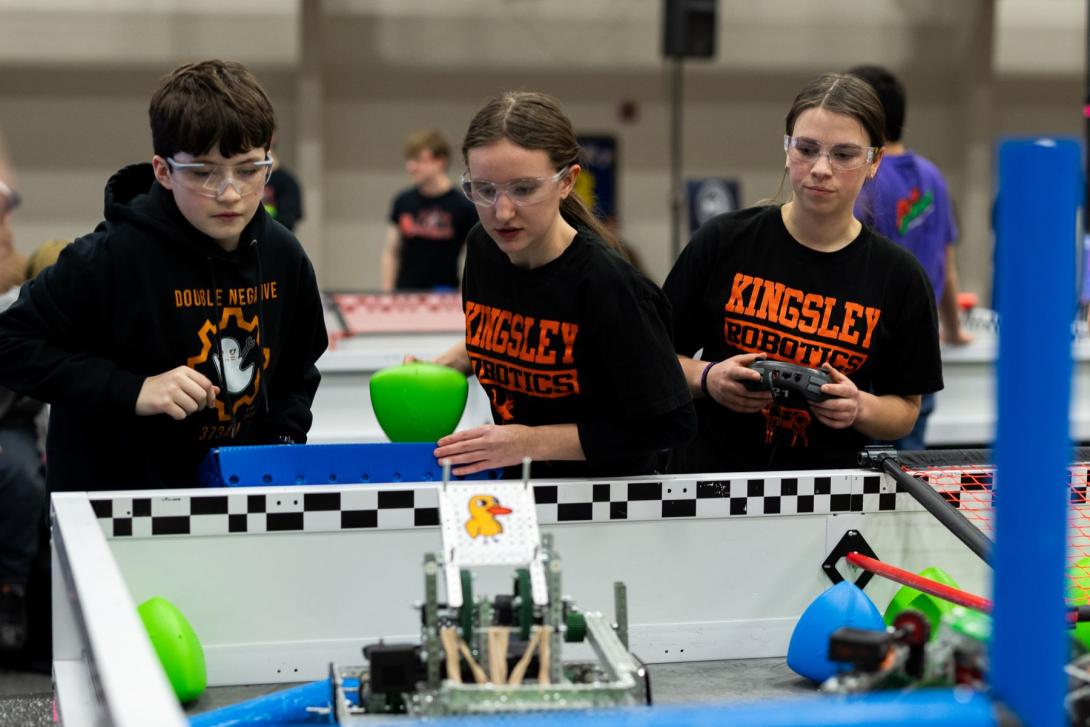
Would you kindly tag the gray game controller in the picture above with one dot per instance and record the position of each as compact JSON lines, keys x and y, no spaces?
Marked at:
{"x":781,"y":378}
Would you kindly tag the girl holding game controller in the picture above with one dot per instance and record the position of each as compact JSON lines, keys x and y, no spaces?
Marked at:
{"x":806,"y":283}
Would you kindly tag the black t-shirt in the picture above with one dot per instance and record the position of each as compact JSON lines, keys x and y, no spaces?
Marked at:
{"x":744,"y":285}
{"x":582,"y":338}
{"x":433,"y":230}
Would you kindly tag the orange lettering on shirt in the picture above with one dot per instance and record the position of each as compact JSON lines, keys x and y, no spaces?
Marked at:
{"x":735,"y":304}
{"x":545,"y":328}
{"x":810,"y":316}
{"x":568,"y":331}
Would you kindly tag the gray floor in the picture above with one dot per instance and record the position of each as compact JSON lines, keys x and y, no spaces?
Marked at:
{"x":26,"y":699}
{"x":713,"y":681}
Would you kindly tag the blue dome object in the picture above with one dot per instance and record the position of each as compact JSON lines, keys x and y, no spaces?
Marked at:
{"x":842,"y":605}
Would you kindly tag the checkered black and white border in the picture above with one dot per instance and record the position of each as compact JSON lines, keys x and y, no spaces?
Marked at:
{"x":399,"y":507}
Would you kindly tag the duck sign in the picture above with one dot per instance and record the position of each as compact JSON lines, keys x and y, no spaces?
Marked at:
{"x":493,"y":523}
{"x":483,"y":511}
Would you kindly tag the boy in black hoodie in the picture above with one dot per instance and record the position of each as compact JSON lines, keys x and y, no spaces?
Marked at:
{"x":188,"y":319}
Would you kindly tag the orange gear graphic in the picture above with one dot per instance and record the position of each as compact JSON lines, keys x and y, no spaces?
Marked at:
{"x":206,"y":335}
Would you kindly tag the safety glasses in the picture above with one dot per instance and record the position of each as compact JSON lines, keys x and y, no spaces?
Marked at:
{"x":521,"y":192}
{"x":212,"y":180}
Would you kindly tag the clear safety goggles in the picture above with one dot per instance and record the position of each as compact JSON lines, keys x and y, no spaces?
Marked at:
{"x":521,"y":192}
{"x":212,"y":180}
{"x":842,"y":157}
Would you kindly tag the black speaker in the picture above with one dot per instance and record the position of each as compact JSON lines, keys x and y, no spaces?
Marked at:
{"x":688,"y":28}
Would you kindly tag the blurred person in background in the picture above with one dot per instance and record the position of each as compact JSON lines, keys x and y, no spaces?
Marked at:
{"x":908,"y":202}
{"x":22,"y":478}
{"x":282,"y":196}
{"x":429,"y":221}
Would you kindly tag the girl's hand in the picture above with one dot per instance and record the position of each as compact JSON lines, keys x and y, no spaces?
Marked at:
{"x":724,"y":383}
{"x":482,"y":448}
{"x":842,"y":408}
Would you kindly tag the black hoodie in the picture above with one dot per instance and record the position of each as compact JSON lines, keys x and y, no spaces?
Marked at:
{"x":147,"y":292}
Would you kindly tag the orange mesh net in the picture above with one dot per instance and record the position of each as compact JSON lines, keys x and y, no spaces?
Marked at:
{"x":969,"y":489}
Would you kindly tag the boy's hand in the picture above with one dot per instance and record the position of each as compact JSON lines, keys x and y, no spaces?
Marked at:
{"x":176,"y":393}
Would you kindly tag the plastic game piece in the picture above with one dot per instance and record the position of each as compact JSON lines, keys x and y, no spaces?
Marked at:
{"x":967,"y":301}
{"x":321,"y":464}
{"x":1078,"y":594}
{"x":287,"y":706}
{"x":969,"y":624}
{"x":842,"y":605}
{"x":781,"y":378}
{"x":931,"y":606}
{"x":176,"y":643}
{"x":418,"y":401}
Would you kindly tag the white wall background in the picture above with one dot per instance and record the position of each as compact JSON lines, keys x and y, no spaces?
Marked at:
{"x":75,"y":78}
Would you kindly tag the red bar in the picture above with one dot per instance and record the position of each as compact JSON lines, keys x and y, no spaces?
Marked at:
{"x":926,"y":585}
{"x":920,"y":583}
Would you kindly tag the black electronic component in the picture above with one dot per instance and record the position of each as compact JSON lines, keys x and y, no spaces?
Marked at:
{"x":864,"y":649}
{"x":394,"y":668}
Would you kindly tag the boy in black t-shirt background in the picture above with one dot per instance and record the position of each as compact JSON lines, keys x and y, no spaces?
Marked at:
{"x":428,"y":221}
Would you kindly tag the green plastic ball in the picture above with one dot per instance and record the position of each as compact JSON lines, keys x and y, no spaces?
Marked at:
{"x":176,"y":643}
{"x":418,"y":401}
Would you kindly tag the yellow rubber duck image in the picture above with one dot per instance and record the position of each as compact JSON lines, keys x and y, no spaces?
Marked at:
{"x":483,"y":510}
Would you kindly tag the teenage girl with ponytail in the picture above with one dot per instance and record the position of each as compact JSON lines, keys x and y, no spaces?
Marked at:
{"x":570,"y":342}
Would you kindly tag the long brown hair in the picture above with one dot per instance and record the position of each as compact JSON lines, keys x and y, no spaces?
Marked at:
{"x":535,"y":121}
{"x":841,"y":93}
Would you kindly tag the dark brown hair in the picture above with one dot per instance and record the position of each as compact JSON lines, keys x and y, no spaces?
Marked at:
{"x":846,"y":94}
{"x":843,"y":94}
{"x":891,"y":92}
{"x":211,"y":103}
{"x":535,"y":121}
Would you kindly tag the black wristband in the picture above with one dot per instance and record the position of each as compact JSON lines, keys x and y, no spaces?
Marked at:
{"x":704,"y":378}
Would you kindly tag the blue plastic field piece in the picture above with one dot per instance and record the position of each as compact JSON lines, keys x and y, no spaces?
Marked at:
{"x":324,"y":464}
{"x":285,"y":707}
{"x":842,"y":605}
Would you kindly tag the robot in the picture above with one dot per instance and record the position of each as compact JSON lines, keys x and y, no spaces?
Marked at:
{"x":480,"y":655}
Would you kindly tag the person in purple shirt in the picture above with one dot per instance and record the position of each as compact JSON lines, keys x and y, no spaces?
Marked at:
{"x":908,"y":202}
